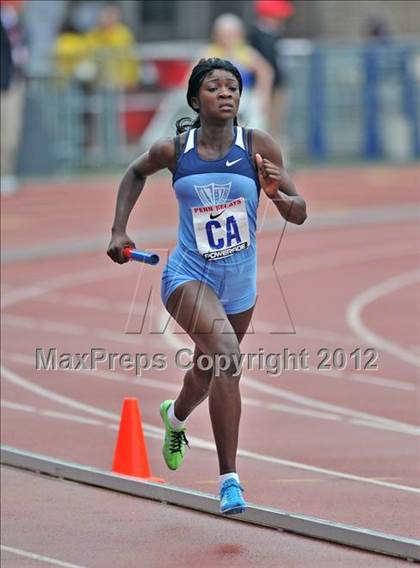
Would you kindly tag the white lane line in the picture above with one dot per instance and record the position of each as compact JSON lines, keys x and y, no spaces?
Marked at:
{"x":44,"y":325}
{"x":32,"y":323}
{"x":21,"y":294}
{"x":198,"y":442}
{"x":70,"y":329}
{"x":398,"y":426}
{"x":175,"y":342}
{"x":73,"y":329}
{"x":247,"y":401}
{"x":59,"y":327}
{"x":370,"y":378}
{"x":76,"y":330}
{"x":90,"y":302}
{"x":373,"y":379}
{"x":17,"y":406}
{"x":345,"y":256}
{"x":51,"y":413}
{"x":359,"y":303}
{"x":19,"y":321}
{"x":30,"y":362}
{"x":120,"y":336}
{"x":210,"y":446}
{"x":63,"y":281}
{"x":166,"y":385}
{"x":369,"y":424}
{"x":319,"y":334}
{"x":51,"y":395}
{"x":348,"y":219}
{"x":337,"y":219}
{"x":39,"y":557}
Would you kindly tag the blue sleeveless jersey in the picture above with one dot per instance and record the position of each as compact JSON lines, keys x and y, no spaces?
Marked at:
{"x":218,"y":202}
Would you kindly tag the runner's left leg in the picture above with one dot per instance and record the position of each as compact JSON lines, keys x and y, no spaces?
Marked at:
{"x":196,"y":380}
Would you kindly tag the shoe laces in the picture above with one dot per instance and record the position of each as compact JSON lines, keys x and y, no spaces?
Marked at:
{"x":178,"y":439}
{"x":230,"y":488}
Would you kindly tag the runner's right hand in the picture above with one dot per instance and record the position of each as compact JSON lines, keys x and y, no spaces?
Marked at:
{"x":115,"y":248}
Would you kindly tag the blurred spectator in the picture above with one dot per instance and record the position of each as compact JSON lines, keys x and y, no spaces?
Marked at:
{"x":13,"y":58}
{"x":112,"y":44}
{"x":264,"y":36}
{"x":72,"y":54}
{"x":378,"y":30}
{"x":6,"y":68}
{"x":229,"y":42}
{"x":75,"y":64}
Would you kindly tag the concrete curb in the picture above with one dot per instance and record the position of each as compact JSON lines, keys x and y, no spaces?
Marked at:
{"x":365,"y":539}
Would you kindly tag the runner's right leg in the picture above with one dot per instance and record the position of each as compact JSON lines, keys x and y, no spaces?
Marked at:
{"x":197,"y":309}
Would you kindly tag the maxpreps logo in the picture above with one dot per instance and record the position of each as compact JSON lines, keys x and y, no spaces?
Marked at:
{"x":213,"y":193}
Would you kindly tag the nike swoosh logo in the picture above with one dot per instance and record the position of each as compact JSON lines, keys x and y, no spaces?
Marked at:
{"x":228,"y":164}
{"x":215,"y":215}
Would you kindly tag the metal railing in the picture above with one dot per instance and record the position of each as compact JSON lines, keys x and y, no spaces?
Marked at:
{"x":344,"y":102}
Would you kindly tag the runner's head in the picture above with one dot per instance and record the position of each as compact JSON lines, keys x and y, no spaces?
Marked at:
{"x":214,"y":86}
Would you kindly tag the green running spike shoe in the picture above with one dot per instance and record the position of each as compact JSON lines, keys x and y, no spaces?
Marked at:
{"x":173,"y":448}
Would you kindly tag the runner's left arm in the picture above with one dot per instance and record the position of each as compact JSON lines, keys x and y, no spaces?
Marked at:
{"x":274,"y":179}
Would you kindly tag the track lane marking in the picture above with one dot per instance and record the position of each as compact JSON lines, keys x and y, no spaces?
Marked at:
{"x":343,"y":257}
{"x":63,"y":281}
{"x":50,"y":413}
{"x":363,"y":420}
{"x":74,"y":329}
{"x":39,"y":557}
{"x":360,"y":301}
{"x":114,"y":427}
{"x":198,"y":442}
{"x":166,"y":385}
{"x":172,"y":339}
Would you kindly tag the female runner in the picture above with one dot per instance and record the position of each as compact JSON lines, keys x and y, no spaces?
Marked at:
{"x":209,"y":281}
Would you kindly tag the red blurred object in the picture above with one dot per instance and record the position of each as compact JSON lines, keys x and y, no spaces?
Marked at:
{"x":135,"y":123}
{"x":16,"y":4}
{"x":171,"y":72}
{"x":280,"y":9}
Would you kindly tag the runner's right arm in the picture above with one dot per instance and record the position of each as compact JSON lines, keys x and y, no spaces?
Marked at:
{"x":160,"y":156}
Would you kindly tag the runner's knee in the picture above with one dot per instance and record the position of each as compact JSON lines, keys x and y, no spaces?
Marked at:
{"x":227,"y":358}
{"x":202,"y":375}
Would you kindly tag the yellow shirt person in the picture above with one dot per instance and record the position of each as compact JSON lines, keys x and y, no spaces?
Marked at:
{"x":71,"y":49}
{"x":113,"y":49}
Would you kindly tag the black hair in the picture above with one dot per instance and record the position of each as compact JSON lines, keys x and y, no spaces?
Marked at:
{"x":203,"y":67}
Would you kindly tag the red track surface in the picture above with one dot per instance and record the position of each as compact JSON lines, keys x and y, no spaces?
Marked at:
{"x":362,"y":450}
{"x":121,"y":531}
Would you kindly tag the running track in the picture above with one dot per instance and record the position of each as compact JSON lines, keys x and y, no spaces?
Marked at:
{"x":338,"y":444}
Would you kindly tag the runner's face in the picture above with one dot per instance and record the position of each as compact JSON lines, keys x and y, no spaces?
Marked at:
{"x":218,"y":96}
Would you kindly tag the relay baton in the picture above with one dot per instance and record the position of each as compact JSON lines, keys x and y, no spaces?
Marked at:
{"x":141,"y":256}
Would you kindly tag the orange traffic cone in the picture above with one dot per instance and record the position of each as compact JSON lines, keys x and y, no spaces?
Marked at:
{"x":130,"y":456}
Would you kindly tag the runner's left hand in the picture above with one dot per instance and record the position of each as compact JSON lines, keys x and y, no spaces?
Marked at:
{"x":270,"y":176}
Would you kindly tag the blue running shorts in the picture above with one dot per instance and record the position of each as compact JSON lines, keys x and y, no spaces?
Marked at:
{"x":232,"y":280}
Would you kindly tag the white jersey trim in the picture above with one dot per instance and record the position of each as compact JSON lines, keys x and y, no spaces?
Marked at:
{"x":240,"y":137}
{"x":190,"y":141}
